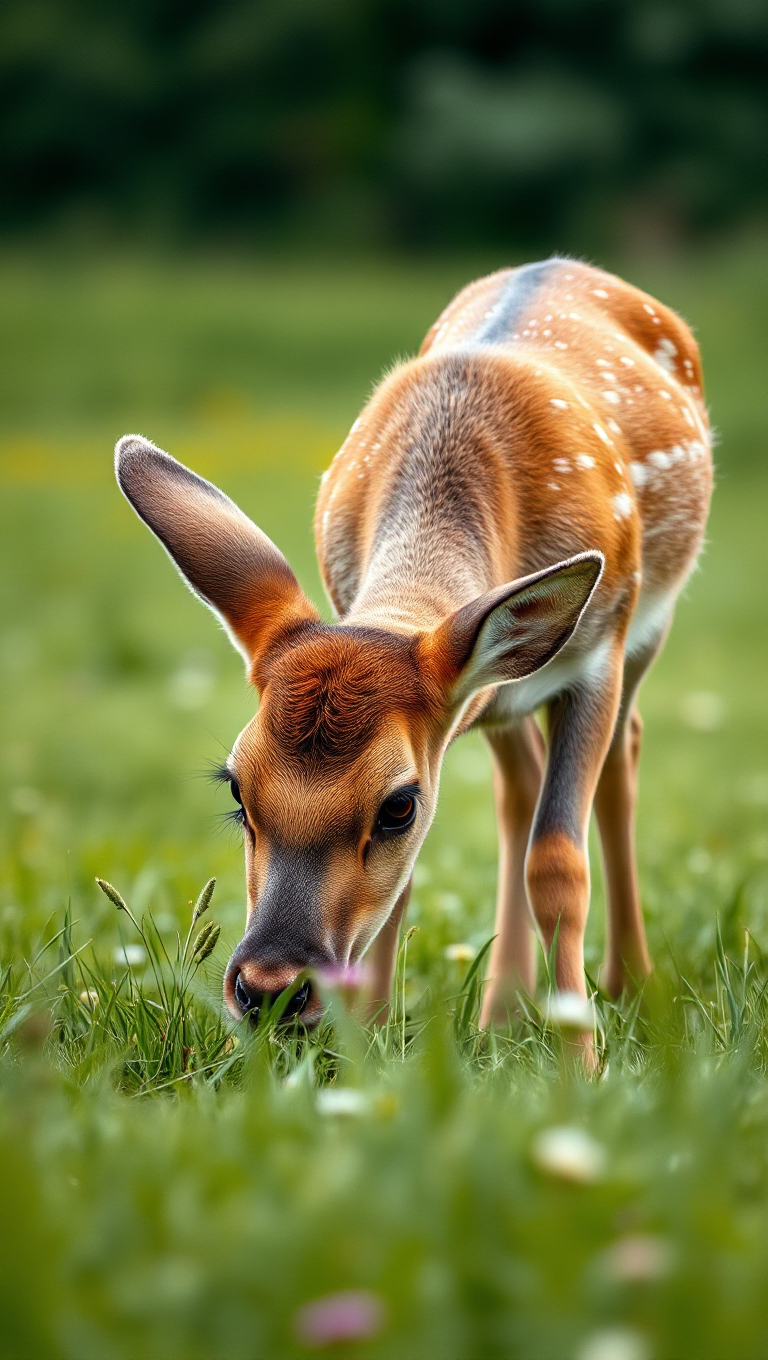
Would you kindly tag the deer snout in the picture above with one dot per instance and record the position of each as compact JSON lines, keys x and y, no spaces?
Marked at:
{"x":249,"y":987}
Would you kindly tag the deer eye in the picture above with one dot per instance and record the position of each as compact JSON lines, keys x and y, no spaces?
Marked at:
{"x":397,"y":812}
{"x":237,"y":814}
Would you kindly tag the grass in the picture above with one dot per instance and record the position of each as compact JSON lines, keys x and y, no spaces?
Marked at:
{"x":175,"y":1185}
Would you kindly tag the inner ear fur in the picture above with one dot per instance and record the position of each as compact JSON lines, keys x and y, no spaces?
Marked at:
{"x":513,"y":630}
{"x":228,"y":562}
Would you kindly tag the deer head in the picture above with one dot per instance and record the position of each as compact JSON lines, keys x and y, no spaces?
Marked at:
{"x":336,"y":777}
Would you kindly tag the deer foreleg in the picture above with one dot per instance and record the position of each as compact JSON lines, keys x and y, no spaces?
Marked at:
{"x":581,"y":724}
{"x":518,"y":767}
{"x":627,"y":962}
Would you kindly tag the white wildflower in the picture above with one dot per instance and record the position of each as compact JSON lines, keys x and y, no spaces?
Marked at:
{"x":569,"y":1154}
{"x":343,"y":1100}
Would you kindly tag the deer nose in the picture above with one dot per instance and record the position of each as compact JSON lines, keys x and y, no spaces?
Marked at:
{"x":251,"y":996}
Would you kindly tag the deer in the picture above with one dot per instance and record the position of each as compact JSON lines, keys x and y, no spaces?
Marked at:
{"x":503,"y":536}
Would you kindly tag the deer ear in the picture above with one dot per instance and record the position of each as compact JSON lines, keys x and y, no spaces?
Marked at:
{"x":234,"y":568}
{"x":513,"y":630}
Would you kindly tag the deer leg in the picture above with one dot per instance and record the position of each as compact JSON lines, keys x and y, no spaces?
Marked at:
{"x":627,"y":960}
{"x":518,"y":766}
{"x":581,"y":724}
{"x":381,"y":958}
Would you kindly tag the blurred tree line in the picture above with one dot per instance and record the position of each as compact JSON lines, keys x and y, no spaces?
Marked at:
{"x":440,"y":122}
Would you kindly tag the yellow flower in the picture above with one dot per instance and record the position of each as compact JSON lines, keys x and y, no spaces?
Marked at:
{"x":460,"y":953}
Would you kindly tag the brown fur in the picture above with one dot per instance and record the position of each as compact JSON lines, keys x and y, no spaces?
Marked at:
{"x":330,"y":689}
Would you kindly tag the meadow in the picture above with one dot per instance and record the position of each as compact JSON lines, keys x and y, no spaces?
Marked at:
{"x":174,"y":1185}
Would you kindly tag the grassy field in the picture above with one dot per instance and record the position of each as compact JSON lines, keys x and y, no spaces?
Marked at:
{"x":171,"y":1186}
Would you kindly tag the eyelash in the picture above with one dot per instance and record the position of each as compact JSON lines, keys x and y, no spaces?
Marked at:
{"x":236,"y":815}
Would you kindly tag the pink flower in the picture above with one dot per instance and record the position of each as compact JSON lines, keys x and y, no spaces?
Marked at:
{"x":345,"y":981}
{"x":354,"y":1315}
{"x":343,"y":977}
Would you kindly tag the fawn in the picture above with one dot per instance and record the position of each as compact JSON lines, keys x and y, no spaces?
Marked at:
{"x":504,"y":530}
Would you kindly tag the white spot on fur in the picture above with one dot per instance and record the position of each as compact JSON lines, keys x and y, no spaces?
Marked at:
{"x":553,"y":485}
{"x":666,"y":396}
{"x":626,"y":361}
{"x":561,"y":465}
{"x":665,"y":353}
{"x":325,"y":477}
{"x":598,"y":429}
{"x":546,"y":332}
{"x":659,"y":459}
{"x":687,"y":416}
{"x":647,"y":308}
{"x":355,"y":426}
{"x":585,"y":460}
{"x":622,"y":505}
{"x":603,"y":363}
{"x":599,"y":292}
{"x":560,"y":344}
{"x":613,"y":425}
{"x":612,"y":397}
{"x":559,"y":403}
{"x":639,"y":473}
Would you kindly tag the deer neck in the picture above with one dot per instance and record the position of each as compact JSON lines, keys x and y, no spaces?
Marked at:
{"x":443,"y":527}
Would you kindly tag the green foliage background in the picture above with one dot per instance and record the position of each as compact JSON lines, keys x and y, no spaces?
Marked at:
{"x":578,"y":123}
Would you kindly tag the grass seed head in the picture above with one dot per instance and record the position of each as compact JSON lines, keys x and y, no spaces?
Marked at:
{"x":204,"y":900}
{"x":206,"y":941}
{"x":112,"y":894}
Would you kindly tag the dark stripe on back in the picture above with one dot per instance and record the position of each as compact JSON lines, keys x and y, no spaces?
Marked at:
{"x":515,"y":298}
